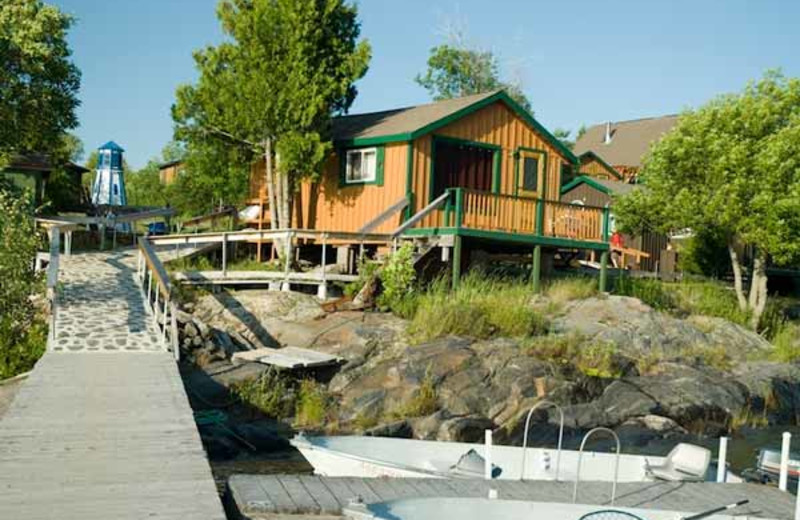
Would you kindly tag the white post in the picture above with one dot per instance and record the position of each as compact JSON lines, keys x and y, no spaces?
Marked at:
{"x":322,"y":290}
{"x":488,"y":455}
{"x":721,"y":459}
{"x":224,"y":254}
{"x":784,"y":474}
{"x":286,"y":287}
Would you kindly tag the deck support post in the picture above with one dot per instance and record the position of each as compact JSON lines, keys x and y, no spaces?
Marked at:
{"x":286,"y":286}
{"x":536,"y":273}
{"x":224,"y":254}
{"x":604,"y":271}
{"x":456,"y":260}
{"x":102,"y":228}
{"x":322,"y":289}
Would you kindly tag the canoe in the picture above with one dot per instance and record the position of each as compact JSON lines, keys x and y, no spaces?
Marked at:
{"x":372,"y":457}
{"x":489,"y":509}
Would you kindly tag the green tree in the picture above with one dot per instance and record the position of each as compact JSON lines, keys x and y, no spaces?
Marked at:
{"x":562,"y":134}
{"x":38,"y":82}
{"x":285,"y":68}
{"x":732,"y":166}
{"x":455,"y":71}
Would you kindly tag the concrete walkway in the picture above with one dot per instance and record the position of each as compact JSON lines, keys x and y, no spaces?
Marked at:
{"x":103,"y":428}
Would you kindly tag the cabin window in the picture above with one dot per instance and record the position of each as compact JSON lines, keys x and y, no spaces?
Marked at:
{"x":362,"y":165}
{"x":530,"y":173}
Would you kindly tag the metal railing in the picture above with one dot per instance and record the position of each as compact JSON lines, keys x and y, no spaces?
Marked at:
{"x":535,"y":407}
{"x":580,"y":459}
{"x":52,"y":280}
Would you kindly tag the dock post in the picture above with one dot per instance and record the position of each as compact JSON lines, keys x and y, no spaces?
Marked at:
{"x":536,"y":273}
{"x":784,"y":474}
{"x":456,"y":260}
{"x":604,"y":271}
{"x":322,"y":290}
{"x":286,"y":286}
{"x":488,"y":455}
{"x":722,"y":460}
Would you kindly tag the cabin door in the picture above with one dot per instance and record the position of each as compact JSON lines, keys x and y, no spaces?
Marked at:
{"x":459,"y":165}
{"x":530,"y":182}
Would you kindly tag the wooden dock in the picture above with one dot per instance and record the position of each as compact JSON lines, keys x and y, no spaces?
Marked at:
{"x":263,"y":497}
{"x":102,"y":428}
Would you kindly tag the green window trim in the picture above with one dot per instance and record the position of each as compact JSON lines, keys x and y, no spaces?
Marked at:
{"x":545,"y":163}
{"x":380,"y":160}
{"x":497,"y":160}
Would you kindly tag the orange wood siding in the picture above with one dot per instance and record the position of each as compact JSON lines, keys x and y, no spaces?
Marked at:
{"x":330,"y":207}
{"x":169,"y":174}
{"x":498,"y":125}
{"x":593,"y":168}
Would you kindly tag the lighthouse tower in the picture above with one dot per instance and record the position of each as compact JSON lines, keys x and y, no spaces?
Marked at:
{"x":109,"y":180}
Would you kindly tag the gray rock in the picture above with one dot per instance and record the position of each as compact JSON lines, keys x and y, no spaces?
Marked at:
{"x":190,"y":330}
{"x":399,"y":429}
{"x":465,"y":429}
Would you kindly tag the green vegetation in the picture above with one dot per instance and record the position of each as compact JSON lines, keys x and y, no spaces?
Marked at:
{"x":564,"y":290}
{"x":787,"y":344}
{"x":423,"y":402}
{"x":270,"y":89}
{"x":455,"y":71}
{"x":729,"y":168}
{"x":312,"y":404}
{"x":270,"y":394}
{"x":397,"y":280}
{"x":713,"y":356}
{"x":564,"y":351}
{"x":23,"y":329}
{"x":481,"y":307}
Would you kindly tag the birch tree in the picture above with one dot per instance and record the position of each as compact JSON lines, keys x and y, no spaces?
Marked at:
{"x":285,"y":68}
{"x":731,"y":166}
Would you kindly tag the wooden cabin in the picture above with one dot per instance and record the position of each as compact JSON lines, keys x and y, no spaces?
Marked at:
{"x":641,"y":252}
{"x":619,"y":147}
{"x":478,"y":169}
{"x":169,"y":171}
{"x":32,"y":172}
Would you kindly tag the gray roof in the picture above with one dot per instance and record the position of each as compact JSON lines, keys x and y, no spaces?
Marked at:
{"x":630,"y":140}
{"x":617,"y":187}
{"x":401,"y":120}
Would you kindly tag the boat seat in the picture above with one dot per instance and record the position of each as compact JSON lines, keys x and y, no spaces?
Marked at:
{"x":686,"y":462}
{"x":471,"y":464}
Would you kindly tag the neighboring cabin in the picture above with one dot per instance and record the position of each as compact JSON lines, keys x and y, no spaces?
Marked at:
{"x":33,"y":171}
{"x":616,"y":150}
{"x":169,"y":171}
{"x":586,"y":190}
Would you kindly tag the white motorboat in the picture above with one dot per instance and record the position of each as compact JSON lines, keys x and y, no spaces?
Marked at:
{"x":489,"y":509}
{"x":357,"y":456}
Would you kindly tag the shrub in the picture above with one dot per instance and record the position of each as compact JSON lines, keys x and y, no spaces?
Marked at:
{"x":651,"y":292}
{"x":312,"y":404}
{"x":398,"y":276}
{"x":787,"y":344}
{"x":597,"y":359}
{"x":269,"y":393}
{"x":480,"y":308}
{"x":367,"y":272}
{"x":709,"y":299}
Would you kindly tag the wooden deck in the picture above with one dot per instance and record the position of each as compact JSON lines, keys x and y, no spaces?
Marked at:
{"x":102,"y":427}
{"x":258,"y":497}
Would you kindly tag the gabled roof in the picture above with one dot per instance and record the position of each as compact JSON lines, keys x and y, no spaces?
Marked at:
{"x":169,"y":164}
{"x":606,"y":186}
{"x":111,"y":145}
{"x":406,"y":124}
{"x":593,"y":156}
{"x":630,"y":140}
{"x":40,"y":162}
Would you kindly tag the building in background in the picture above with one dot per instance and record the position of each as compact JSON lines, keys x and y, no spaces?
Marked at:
{"x":33,"y":172}
{"x":108,"y":188}
{"x":169,"y":171}
{"x":616,"y":150}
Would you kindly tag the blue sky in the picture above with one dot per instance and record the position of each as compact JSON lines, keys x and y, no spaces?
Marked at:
{"x":579,"y":61}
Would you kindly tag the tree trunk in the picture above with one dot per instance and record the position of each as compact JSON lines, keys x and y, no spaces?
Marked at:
{"x":758,"y":289}
{"x":738,"y":284}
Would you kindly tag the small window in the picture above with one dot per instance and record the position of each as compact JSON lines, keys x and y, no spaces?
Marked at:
{"x":116,"y":190}
{"x":530,"y":175}
{"x":362,"y":165}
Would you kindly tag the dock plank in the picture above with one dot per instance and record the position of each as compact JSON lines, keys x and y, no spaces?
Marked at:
{"x":765,"y":502}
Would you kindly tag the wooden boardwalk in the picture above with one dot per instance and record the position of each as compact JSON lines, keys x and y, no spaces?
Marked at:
{"x":104,"y":431}
{"x":258,"y":497}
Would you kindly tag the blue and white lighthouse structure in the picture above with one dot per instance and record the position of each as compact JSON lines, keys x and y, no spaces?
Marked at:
{"x":109,"y":180}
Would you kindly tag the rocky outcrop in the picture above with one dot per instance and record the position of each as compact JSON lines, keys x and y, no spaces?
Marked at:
{"x":384,"y":387}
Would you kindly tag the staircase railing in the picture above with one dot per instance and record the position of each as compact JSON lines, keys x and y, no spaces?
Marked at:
{"x":424,"y":212}
{"x":395,"y":208}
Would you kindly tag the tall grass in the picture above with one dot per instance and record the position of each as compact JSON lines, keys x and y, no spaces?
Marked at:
{"x":269,"y":393}
{"x":481,"y":307}
{"x":564,"y":290}
{"x":312,"y":404}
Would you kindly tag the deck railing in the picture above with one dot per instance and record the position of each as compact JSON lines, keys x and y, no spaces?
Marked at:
{"x":486,"y":211}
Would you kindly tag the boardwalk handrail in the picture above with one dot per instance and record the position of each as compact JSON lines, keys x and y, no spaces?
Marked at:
{"x":383,"y":217}
{"x":52,"y":277}
{"x":422,"y":214}
{"x":580,"y":459}
{"x":249,"y":235}
{"x":150,"y":271}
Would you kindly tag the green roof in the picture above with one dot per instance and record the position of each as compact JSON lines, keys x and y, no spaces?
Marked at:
{"x":406,"y":124}
{"x":609,"y":187}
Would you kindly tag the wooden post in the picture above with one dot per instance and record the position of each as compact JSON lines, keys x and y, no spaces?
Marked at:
{"x":286,"y":261}
{"x":456,"y":260}
{"x":224,"y":254}
{"x":604,"y":271}
{"x":536,"y":273}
